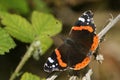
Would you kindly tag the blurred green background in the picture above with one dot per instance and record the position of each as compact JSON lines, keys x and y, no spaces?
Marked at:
{"x":67,"y":11}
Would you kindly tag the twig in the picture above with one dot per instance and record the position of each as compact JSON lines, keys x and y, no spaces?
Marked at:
{"x":73,"y":78}
{"x":27,"y":55}
{"x":108,"y":27}
{"x":100,"y":35}
{"x":88,"y":74}
{"x":54,"y":76}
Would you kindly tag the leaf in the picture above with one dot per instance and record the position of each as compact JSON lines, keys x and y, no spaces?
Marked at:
{"x":29,"y":76}
{"x":45,"y":25}
{"x":18,"y":27}
{"x":46,"y":42}
{"x":15,"y":5}
{"x":6,"y":42}
{"x":2,"y":8}
{"x":42,"y":28}
{"x":41,"y":6}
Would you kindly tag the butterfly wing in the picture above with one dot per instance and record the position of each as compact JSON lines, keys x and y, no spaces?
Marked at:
{"x":64,"y":57}
{"x":58,"y":59}
{"x":52,"y":63}
{"x":83,"y":33}
{"x":73,"y":53}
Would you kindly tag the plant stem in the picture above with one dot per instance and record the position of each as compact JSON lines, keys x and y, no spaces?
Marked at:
{"x":27,"y":55}
{"x":54,"y":76}
{"x":109,"y":26}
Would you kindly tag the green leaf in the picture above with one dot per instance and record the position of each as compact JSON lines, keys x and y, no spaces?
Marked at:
{"x":29,"y":76}
{"x":41,"y":6}
{"x":45,"y":25}
{"x":15,"y":5}
{"x":46,"y":42}
{"x":42,"y":28}
{"x":2,"y":8}
{"x":6,"y":42}
{"x":18,"y":27}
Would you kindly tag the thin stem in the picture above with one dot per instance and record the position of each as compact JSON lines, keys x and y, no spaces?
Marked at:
{"x":109,"y":26}
{"x":88,"y":75}
{"x":54,"y":76}
{"x":27,"y":55}
{"x":73,"y":78}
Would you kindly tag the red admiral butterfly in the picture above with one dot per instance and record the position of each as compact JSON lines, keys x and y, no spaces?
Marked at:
{"x":75,"y":52}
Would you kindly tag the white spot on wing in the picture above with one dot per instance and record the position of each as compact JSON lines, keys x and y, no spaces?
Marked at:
{"x":81,"y":19}
{"x":88,"y":20}
{"x":84,"y":14}
{"x":87,"y":23}
{"x":46,"y":64}
{"x":56,"y":64}
{"x":53,"y":65}
{"x":50,"y":60}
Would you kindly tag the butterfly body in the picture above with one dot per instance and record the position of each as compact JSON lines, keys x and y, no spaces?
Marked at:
{"x":74,"y":52}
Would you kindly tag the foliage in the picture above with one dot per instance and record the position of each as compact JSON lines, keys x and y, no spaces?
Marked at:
{"x":30,"y":76}
{"x":6,"y":42}
{"x":20,"y":6}
{"x":41,"y":6}
{"x":45,"y":26}
{"x":40,"y":27}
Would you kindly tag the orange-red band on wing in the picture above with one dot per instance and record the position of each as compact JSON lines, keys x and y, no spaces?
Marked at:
{"x":88,"y":28}
{"x":83,"y":64}
{"x":61,"y":63}
{"x":95,"y":43}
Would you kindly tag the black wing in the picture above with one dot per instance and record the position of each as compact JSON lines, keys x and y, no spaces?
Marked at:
{"x":73,"y":53}
{"x":64,"y":57}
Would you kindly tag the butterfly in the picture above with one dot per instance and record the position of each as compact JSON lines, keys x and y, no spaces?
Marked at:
{"x":75,"y":53}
